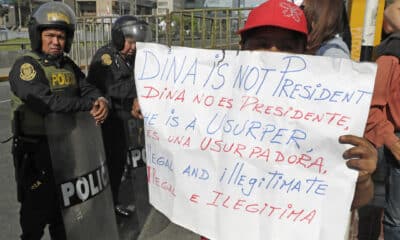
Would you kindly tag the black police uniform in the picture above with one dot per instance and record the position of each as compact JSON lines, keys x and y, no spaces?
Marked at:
{"x":113,"y":75}
{"x":39,"y":86}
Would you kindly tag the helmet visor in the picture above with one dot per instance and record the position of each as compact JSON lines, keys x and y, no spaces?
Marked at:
{"x":139,"y":31}
{"x":55,"y":13}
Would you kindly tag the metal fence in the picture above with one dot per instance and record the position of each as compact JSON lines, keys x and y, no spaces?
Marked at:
{"x":6,"y":35}
{"x":200,"y":28}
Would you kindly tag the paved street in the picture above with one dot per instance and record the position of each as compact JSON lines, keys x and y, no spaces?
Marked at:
{"x":3,"y":74}
{"x":9,"y":226}
{"x":133,"y":191}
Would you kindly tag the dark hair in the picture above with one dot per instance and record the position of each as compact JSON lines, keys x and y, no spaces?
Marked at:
{"x":345,"y":30}
{"x":326,"y":18}
{"x":297,"y":41}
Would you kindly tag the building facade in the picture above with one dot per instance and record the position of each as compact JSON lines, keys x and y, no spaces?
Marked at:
{"x":164,"y":6}
{"x":91,"y":8}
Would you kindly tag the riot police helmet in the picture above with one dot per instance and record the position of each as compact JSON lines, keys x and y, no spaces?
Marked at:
{"x":52,"y":15}
{"x":129,"y":26}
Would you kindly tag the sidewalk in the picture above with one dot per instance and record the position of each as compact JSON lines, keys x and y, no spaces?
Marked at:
{"x":4,"y":74}
{"x":152,"y":224}
{"x":157,"y":226}
{"x":133,"y":191}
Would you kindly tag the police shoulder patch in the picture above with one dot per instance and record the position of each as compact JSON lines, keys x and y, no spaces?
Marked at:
{"x":106,"y":59}
{"x":27,"y":72}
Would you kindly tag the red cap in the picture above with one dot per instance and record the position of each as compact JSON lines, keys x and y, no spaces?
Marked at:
{"x":277,"y":13}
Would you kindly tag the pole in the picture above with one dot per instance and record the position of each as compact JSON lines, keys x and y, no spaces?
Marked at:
{"x":133,"y":6}
{"x":30,"y":7}
{"x":19,"y":15}
{"x":368,"y":35}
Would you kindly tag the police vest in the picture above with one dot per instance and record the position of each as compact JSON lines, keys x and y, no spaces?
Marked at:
{"x":62,"y":81}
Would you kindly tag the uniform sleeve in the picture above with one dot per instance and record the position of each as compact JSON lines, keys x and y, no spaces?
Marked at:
{"x":99,"y":74}
{"x":123,"y":88}
{"x":379,"y":129}
{"x":87,"y":89}
{"x":28,"y":82}
{"x":109,"y":79}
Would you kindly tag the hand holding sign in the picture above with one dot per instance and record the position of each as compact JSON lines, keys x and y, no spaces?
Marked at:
{"x":135,"y":112}
{"x":247,"y":142}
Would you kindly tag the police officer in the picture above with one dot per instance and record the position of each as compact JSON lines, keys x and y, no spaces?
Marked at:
{"x":45,"y":81}
{"x":111,"y":70}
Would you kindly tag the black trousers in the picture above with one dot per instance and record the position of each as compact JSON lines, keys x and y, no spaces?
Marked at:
{"x":370,"y":216}
{"x":116,"y":148}
{"x":39,"y":203}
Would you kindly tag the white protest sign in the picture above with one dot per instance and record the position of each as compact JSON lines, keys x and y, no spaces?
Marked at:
{"x":244,"y":145}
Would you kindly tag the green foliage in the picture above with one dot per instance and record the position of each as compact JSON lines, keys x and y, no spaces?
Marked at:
{"x":14,"y":44}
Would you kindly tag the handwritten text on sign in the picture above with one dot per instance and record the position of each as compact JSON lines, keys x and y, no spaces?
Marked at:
{"x":244,"y":145}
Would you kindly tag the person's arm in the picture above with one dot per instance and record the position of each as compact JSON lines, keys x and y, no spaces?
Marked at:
{"x":87,"y":89}
{"x":109,"y":79}
{"x":33,"y":88}
{"x":100,"y":106}
{"x":99,"y":110}
{"x":364,"y":192}
{"x":362,"y":157}
{"x":379,"y":129}
{"x":136,"y":112}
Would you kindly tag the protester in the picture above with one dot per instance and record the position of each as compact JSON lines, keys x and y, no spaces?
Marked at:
{"x":370,"y":216}
{"x":278,"y":25}
{"x":327,"y":22}
{"x":391,"y":20}
{"x":112,"y":71}
{"x":261,"y":32}
{"x":45,"y":81}
{"x":384,"y":122}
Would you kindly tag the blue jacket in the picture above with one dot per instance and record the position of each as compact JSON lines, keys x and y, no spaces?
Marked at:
{"x":334,"y":47}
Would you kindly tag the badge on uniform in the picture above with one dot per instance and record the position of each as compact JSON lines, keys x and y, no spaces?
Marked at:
{"x":106,"y":59}
{"x":27,"y":72}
